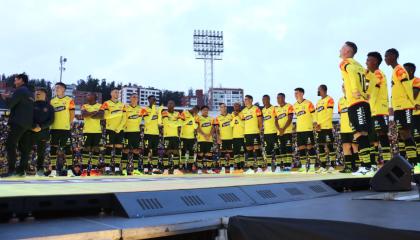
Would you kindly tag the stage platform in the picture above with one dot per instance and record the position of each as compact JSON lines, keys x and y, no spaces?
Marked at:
{"x":43,"y":186}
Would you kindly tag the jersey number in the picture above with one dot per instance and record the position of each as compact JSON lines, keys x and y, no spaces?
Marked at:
{"x":362,"y":79}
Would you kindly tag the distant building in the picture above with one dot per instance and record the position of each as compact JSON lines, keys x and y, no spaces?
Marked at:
{"x":195,"y":100}
{"x":228,"y":96}
{"x":142,"y":93}
{"x":69,"y":90}
{"x":145,"y":92}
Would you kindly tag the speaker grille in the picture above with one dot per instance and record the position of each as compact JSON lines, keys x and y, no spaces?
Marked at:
{"x":266,"y":194}
{"x":317,"y":188}
{"x":229,"y":197}
{"x":192,"y":200}
{"x":149,"y":203}
{"x":294,"y":191}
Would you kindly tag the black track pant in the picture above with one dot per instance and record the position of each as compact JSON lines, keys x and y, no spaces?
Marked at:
{"x":18,"y":138}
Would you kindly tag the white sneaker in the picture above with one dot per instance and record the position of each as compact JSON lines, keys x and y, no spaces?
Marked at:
{"x":210,"y":171}
{"x":259,"y":170}
{"x":165,"y":172}
{"x":117,"y":169}
{"x":331,"y":169}
{"x":249,"y":171}
{"x":107,"y":169}
{"x":268,"y":170}
{"x":178,"y":172}
{"x":70,"y":173}
{"x":277,"y":170}
{"x":321,"y":170}
{"x":199,"y":171}
{"x":223,"y":170}
{"x":53,"y":173}
{"x":369,"y":172}
{"x":231,"y":170}
{"x":360,"y":172}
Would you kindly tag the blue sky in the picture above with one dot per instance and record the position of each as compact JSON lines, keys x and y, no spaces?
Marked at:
{"x":270,"y":46}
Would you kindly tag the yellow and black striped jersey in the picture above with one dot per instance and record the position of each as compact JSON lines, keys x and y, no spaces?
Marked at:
{"x":269,"y":120}
{"x":305,"y":114}
{"x":188,"y":125}
{"x":282,"y":115}
{"x":62,"y":107}
{"x":205,"y":124}
{"x":171,"y":122}
{"x":91,"y":125}
{"x":151,"y":120}
{"x":324,"y":112}
{"x":224,"y":122}
{"x":114,"y":115}
{"x":378,"y":92}
{"x":237,"y":126}
{"x":402,"y":89}
{"x":250,"y":116}
{"x":133,"y":118}
{"x":354,"y":80}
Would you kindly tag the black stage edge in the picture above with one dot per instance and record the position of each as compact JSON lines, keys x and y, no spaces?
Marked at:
{"x":134,"y":204}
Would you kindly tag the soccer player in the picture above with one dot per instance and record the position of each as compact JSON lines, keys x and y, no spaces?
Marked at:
{"x":205,"y":141}
{"x":150,"y":116}
{"x":114,"y":115}
{"x":188,"y":128}
{"x":305,"y":122}
{"x":403,"y":104}
{"x":379,"y":106}
{"x":60,"y":129}
{"x":92,"y":134}
{"x":284,"y":118}
{"x":324,"y":115}
{"x":171,"y":122}
{"x":238,"y":141}
{"x":270,"y":132}
{"x":252,"y":117}
{"x":132,"y":137}
{"x":358,"y":107}
{"x":223,"y":126}
{"x":43,"y":118}
{"x":350,"y":150}
{"x":411,"y":69}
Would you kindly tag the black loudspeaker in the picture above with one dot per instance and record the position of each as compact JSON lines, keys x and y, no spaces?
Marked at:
{"x":393,"y":176}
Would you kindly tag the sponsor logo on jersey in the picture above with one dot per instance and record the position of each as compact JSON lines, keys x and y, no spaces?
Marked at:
{"x":133,"y":116}
{"x":248,"y":117}
{"x":267,"y":117}
{"x":282,"y":115}
{"x":206,"y":124}
{"x":344,"y":110}
{"x":115,"y":111}
{"x":319,"y":109}
{"x":154,"y":117}
{"x":301,"y":113}
{"x":226,"y":124}
{"x":59,"y":108}
{"x":189,"y":123}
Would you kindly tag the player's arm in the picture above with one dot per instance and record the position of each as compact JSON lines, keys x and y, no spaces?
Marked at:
{"x":98,"y":115}
{"x":50,"y":118}
{"x":408,"y":89}
{"x":260,"y":119}
{"x":104,"y":107}
{"x":289,"y":117}
{"x":311,"y":110}
{"x":356,"y":79}
{"x":216,"y":127}
{"x":199,"y":130}
{"x":85,"y":113}
{"x":330,"y":108}
{"x":72,"y":110}
{"x":277,"y":122}
{"x":123,"y":120}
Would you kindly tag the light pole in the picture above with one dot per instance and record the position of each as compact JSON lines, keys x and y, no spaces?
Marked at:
{"x":208,"y":46}
{"x":62,"y":68}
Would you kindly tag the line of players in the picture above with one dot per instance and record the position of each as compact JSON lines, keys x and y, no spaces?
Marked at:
{"x":250,"y":139}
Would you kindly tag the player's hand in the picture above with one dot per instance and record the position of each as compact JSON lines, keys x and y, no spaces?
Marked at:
{"x":5,"y":95}
{"x":219,"y":141}
{"x":417,"y":107}
{"x":368,"y":97}
{"x":36,"y":129}
{"x":281,"y":131}
{"x":357,"y":95}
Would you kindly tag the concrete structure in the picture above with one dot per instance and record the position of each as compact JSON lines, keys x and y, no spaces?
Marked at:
{"x":142,"y":92}
{"x":227,"y":96}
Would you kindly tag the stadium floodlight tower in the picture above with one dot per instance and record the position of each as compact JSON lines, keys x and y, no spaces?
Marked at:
{"x":63,"y":60}
{"x":208,"y":46}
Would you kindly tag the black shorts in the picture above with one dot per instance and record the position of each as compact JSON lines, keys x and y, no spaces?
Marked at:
{"x":91,"y":139}
{"x":252,"y":140}
{"x":360,"y":117}
{"x":285,"y":140}
{"x":204,"y":147}
{"x":60,"y":137}
{"x":325,"y":136}
{"x":238,"y":145}
{"x":187,"y":145}
{"x":380,"y":123}
{"x":416,"y":126}
{"x":372,"y":134}
{"x":347,"y":138}
{"x":305,"y":138}
{"x":132,"y":140}
{"x":270,"y":140}
{"x":113,"y":138}
{"x":171,"y":143}
{"x":226,"y":145}
{"x":403,"y":118}
{"x":151,"y":141}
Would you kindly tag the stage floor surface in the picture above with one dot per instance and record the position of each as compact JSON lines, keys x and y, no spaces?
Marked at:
{"x":41,"y":186}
